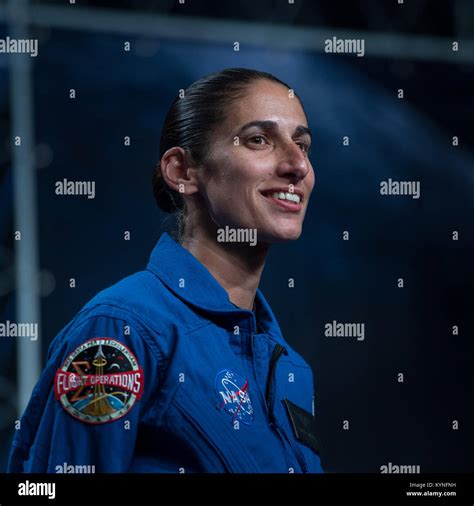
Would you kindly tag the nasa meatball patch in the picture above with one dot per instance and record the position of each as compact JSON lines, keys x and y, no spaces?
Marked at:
{"x":233,"y":393}
{"x":99,"y":382}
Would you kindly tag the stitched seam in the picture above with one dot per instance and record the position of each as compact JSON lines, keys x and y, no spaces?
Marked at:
{"x":138,"y":325}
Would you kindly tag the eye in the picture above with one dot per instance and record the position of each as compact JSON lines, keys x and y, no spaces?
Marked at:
{"x":260,"y":137}
{"x":304,"y":146}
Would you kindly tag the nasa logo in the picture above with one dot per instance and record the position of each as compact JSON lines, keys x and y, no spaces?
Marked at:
{"x":233,"y":395}
{"x":99,"y":382}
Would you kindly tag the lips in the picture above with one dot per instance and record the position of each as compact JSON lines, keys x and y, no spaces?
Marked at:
{"x":295,"y":195}
{"x":287,"y":201}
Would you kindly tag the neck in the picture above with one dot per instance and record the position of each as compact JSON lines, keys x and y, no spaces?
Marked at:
{"x":237,"y":267}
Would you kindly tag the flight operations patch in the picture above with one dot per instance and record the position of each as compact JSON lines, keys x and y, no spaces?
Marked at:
{"x":233,"y":393}
{"x":99,"y":382}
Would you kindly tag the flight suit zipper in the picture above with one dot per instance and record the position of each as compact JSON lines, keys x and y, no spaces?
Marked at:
{"x":278,"y":351}
{"x":263,"y":397}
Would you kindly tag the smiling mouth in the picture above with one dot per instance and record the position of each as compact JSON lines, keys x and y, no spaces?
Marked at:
{"x":287,"y":201}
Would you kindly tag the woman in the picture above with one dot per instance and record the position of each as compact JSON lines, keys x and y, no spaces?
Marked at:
{"x":182,"y":367}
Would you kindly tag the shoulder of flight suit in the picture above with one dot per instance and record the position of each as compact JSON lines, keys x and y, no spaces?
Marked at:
{"x":65,"y":424}
{"x":150,"y":301}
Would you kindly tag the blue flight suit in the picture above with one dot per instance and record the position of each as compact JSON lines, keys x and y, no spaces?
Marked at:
{"x":162,"y":373}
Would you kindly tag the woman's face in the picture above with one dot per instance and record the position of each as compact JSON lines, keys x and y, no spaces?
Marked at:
{"x":259,"y":175}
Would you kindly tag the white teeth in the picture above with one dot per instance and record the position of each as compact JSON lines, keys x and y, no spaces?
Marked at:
{"x":292,"y":197}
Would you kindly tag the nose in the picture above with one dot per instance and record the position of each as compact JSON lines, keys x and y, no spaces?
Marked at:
{"x":293,"y":163}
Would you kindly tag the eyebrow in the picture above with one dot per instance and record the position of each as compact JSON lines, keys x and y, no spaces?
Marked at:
{"x":272,"y":126}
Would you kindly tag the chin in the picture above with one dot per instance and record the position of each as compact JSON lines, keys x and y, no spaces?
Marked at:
{"x":281,"y":235}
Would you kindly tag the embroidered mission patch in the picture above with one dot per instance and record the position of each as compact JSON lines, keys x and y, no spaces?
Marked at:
{"x":99,"y":382}
{"x":233,"y":395}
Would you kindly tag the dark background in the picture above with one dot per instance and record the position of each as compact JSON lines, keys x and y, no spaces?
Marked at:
{"x":408,"y":330}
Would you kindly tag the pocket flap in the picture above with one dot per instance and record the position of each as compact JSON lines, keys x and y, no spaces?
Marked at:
{"x":304,"y":425}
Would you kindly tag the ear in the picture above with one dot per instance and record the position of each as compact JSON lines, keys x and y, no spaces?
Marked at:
{"x":179,"y":172}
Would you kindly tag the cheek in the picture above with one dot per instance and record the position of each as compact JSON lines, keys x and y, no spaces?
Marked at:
{"x":234,"y":176}
{"x":224,"y":186}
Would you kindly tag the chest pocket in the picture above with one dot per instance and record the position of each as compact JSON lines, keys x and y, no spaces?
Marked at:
{"x":301,"y":432}
{"x":304,"y":425}
{"x":209,"y":434}
{"x":293,"y":389}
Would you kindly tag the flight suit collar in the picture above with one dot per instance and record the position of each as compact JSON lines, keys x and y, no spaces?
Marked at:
{"x":192,"y":282}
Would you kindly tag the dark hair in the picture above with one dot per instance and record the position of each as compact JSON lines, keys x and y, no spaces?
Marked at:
{"x":191,"y":119}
